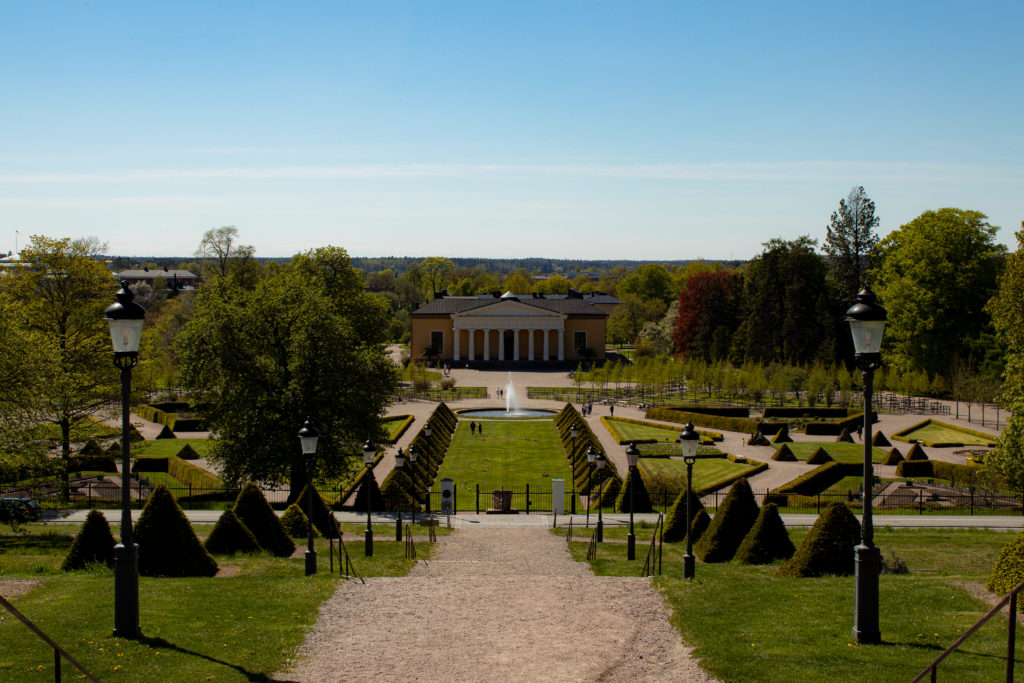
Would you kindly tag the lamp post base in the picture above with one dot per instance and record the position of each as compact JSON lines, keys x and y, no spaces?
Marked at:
{"x":398,"y":528}
{"x":867,"y":566}
{"x":631,"y":547}
{"x":126,"y":591}
{"x":600,"y":531}
{"x":689,"y":566}
{"x":368,"y":543}
{"x":310,"y":562}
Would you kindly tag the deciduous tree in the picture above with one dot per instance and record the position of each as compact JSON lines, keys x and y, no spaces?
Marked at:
{"x":849,"y":240}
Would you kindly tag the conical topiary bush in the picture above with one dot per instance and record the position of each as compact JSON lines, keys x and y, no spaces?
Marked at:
{"x":323,"y":520}
{"x":230,"y":536}
{"x":893,"y":457}
{"x":819,"y":457}
{"x":295,"y":522}
{"x":844,"y":436}
{"x":828,"y":546}
{"x":675,"y":520}
{"x":879,"y":440}
{"x":916,"y":453}
{"x":701,"y":522}
{"x":91,"y":448}
{"x":1008,"y":570}
{"x":167,"y":543}
{"x":641,"y":498}
{"x":368,"y":487}
{"x":188,"y":453}
{"x":166,"y":433}
{"x":256,"y":514}
{"x":784,"y":454}
{"x":782,"y":436}
{"x":767,"y":540}
{"x":93,"y":543}
{"x":730,"y":525}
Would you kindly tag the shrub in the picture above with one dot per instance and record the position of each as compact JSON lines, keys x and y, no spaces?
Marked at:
{"x":733,"y":519}
{"x":784,"y":454}
{"x":369,"y":487}
{"x":844,"y":436}
{"x":295,"y":522}
{"x":323,"y":520}
{"x":166,"y":433}
{"x":782,"y":436}
{"x":230,"y":536}
{"x":188,"y":453}
{"x":641,"y":498}
{"x":1009,"y":568}
{"x":819,"y":457}
{"x":675,"y":521}
{"x":91,"y":448}
{"x":167,"y":543}
{"x":396,"y":492}
{"x":828,"y":547}
{"x":879,"y":440}
{"x":701,"y":522}
{"x":893,"y":457}
{"x":92,"y":463}
{"x":915,"y":468}
{"x":819,"y":479}
{"x":767,"y":540}
{"x":804,"y":411}
{"x":255,"y":513}
{"x":916,"y":453}
{"x":93,"y":543}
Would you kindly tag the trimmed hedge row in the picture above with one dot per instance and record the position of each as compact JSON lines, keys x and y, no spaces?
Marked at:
{"x":836,"y":428}
{"x":170,"y":419}
{"x":743,"y":425}
{"x":902,"y":435}
{"x":813,"y":482}
{"x":806,"y":411}
{"x":92,"y":463}
{"x":724,"y":411}
{"x":609,"y":424}
{"x":578,"y":456}
{"x":401,"y":430}
{"x":182,"y":470}
{"x":405,"y":489}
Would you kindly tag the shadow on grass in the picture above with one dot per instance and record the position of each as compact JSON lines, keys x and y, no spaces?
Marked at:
{"x":938,"y":649}
{"x":167,"y":645}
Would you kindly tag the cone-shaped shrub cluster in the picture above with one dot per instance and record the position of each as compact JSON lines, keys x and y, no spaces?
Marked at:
{"x":167,"y":543}
{"x":295,"y":522}
{"x":641,"y":498}
{"x":91,"y":448}
{"x":675,"y":520}
{"x":166,"y":433}
{"x":93,"y":543}
{"x":368,"y":490}
{"x":584,"y":475}
{"x":893,"y":457}
{"x":916,"y":453}
{"x":701,"y":522}
{"x":879,"y":440}
{"x":782,"y":436}
{"x":230,"y":536}
{"x":828,"y":546}
{"x":784,"y":454}
{"x":415,"y":477}
{"x":256,"y":514}
{"x":1009,"y":568}
{"x":395,"y":492}
{"x":730,"y":525}
{"x":819,"y":457}
{"x":844,"y":436}
{"x":323,"y":520}
{"x":767,"y":540}
{"x":188,"y":453}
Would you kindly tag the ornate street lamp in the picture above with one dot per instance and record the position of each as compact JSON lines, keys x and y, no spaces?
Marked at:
{"x":574,"y":431}
{"x":632,"y":458}
{"x":369,"y":453}
{"x":414,"y":454}
{"x":427,"y":430}
{"x":591,"y":455}
{"x":125,"y":319}
{"x":688,"y":441}
{"x":867,"y":322}
{"x":399,"y":464}
{"x":600,"y":461}
{"x":308,"y":436}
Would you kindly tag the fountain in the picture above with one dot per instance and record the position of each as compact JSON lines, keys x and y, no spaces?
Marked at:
{"x":512,"y":408}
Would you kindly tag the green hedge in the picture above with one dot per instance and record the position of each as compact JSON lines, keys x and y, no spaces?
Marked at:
{"x":743,"y":425}
{"x":609,"y":423}
{"x":806,"y":411}
{"x":723,"y":411}
{"x":170,"y":419}
{"x":836,"y":428}
{"x":903,"y":435}
{"x":813,"y":482}
{"x":182,"y":470}
{"x":92,"y":463}
{"x":406,"y":421}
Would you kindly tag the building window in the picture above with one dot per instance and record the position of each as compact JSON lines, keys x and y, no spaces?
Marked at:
{"x":579,"y":342}
{"x":436,"y":343}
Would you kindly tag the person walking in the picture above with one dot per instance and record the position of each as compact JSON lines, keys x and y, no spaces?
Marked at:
{"x":611,"y":410}
{"x":472,"y":428}
{"x":480,"y":429}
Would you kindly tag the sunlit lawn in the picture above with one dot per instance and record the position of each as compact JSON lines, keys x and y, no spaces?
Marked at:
{"x":838,"y":451}
{"x":673,"y":472}
{"x":936,"y":432}
{"x":163,"y":448}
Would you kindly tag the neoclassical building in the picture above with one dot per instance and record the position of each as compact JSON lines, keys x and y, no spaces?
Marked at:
{"x":531,"y":327}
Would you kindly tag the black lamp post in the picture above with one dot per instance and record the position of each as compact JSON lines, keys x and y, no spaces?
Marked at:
{"x":308,"y":437}
{"x":632,"y":457}
{"x":867,"y":322}
{"x":600,"y":461}
{"x":125,"y":319}
{"x":399,"y":463}
{"x":427,"y":430}
{"x":591,"y":455}
{"x":414,"y":454}
{"x":369,"y":453}
{"x":688,"y":441}
{"x":574,"y":431}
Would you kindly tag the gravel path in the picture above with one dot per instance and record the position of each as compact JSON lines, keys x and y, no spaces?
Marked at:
{"x":496,"y":605}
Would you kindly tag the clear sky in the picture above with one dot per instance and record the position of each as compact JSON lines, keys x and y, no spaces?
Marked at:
{"x":590,"y":129}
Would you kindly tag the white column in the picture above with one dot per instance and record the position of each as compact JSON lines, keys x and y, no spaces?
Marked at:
{"x":515,"y":343}
{"x":561,"y":345}
{"x":455,"y":343}
{"x":501,"y":344}
{"x":531,"y":332}
{"x":547,"y":351}
{"x":487,"y":344}
{"x":472,"y":344}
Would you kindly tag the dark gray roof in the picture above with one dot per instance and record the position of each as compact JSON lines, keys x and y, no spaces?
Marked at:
{"x":156,"y":272}
{"x":461,"y":304}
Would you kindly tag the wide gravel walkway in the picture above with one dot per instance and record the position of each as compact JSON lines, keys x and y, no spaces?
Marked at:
{"x":495,"y":605}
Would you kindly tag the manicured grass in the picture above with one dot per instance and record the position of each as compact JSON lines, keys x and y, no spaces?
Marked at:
{"x":236,"y":628}
{"x":841,"y":452}
{"x":672,"y":473}
{"x":631,"y":431}
{"x":164,"y":448}
{"x":393,"y":426}
{"x":748,"y":625}
{"x":510,"y":453}
{"x":939,"y":432}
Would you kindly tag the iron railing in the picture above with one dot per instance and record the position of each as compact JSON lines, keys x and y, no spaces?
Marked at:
{"x":58,"y":651}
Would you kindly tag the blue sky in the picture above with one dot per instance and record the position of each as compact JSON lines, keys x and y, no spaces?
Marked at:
{"x":643,"y":130}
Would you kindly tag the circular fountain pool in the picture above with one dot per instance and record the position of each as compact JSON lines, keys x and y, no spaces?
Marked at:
{"x":499,"y":412}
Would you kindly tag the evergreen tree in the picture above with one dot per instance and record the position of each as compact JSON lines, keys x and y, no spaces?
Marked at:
{"x":849,"y":240}
{"x":93,"y":543}
{"x":168,"y":545}
{"x":730,"y":525}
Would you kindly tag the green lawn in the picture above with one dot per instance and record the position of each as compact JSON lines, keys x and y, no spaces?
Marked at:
{"x":671,"y":474}
{"x":393,"y":426}
{"x":632,"y":431}
{"x":841,"y":452}
{"x":748,"y":625}
{"x":939,"y":432}
{"x":163,"y":448}
{"x":510,"y":453}
{"x":235,"y":628}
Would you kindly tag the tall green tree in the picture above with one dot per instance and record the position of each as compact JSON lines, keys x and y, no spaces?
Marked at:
{"x":934,"y":275}
{"x":850,"y":238}
{"x":306,"y":341}
{"x":629,"y":318}
{"x":1007,"y":309}
{"x":222,"y":246}
{"x":436,"y":272}
{"x":63,"y":291}
{"x":649,"y":281}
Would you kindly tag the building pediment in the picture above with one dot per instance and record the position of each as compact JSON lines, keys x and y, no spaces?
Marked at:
{"x":507,"y":309}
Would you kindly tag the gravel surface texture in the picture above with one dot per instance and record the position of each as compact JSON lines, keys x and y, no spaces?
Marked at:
{"x":495,"y":605}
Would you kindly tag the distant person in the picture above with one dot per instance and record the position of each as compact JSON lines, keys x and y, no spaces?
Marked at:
{"x":480,"y":429}
{"x":611,"y":410}
{"x":860,"y":432}
{"x":472,"y":428}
